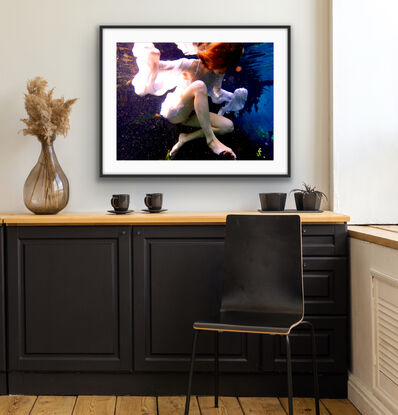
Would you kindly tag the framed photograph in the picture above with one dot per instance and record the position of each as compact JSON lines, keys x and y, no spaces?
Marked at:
{"x":195,"y":100}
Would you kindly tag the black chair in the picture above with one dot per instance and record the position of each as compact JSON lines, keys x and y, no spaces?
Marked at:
{"x":262,"y":287}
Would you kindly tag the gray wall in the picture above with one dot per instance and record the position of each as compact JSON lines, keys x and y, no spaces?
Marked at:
{"x":59,"y":41}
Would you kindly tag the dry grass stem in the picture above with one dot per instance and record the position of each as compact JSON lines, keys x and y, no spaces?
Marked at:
{"x":46,"y":116}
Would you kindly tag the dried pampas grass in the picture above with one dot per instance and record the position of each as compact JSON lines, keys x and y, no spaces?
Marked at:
{"x":47,"y":117}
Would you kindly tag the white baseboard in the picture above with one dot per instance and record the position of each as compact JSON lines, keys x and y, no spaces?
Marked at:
{"x":364,"y":399}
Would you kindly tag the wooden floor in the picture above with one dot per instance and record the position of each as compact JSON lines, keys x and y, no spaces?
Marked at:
{"x":165,"y":405}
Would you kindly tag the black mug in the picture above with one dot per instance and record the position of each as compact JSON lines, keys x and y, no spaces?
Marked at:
{"x":153,"y":201}
{"x":120,"y":202}
{"x":273,"y":201}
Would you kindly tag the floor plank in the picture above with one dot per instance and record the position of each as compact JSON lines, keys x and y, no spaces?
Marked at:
{"x":259,"y":406}
{"x":174,"y":405}
{"x":54,"y":405}
{"x":95,"y":405}
{"x":227,"y":405}
{"x":303,"y":406}
{"x":136,"y":405}
{"x":340,"y":407}
{"x":167,"y":405}
{"x":16,"y":405}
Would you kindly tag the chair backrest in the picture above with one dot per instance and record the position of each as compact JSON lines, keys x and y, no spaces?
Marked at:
{"x":263,"y":264}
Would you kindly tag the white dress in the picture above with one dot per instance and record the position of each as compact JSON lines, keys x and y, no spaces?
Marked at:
{"x":159,"y":78}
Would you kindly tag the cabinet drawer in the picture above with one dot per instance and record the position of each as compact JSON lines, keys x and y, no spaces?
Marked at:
{"x":324,"y":240}
{"x":331,"y":343}
{"x":325,"y":285}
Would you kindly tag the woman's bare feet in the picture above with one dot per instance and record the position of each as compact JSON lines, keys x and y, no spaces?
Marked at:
{"x":216,"y":146}
{"x":181,"y":141}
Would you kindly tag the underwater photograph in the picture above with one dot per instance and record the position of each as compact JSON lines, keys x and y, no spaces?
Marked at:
{"x":195,"y":101}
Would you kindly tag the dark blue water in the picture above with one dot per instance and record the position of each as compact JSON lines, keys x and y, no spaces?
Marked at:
{"x":256,"y":120}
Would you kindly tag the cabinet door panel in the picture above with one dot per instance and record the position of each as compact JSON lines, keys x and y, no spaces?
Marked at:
{"x":331,"y":343}
{"x":325,"y":285}
{"x":179,"y":270}
{"x":69,"y":291}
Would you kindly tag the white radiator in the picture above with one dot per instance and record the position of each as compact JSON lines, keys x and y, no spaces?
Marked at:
{"x":385,"y":338}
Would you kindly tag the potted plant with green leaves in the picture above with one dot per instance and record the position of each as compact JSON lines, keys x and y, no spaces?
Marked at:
{"x":308,"y":198}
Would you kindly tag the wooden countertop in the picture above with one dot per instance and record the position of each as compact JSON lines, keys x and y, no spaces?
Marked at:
{"x":142,"y":218}
{"x":385,"y":235}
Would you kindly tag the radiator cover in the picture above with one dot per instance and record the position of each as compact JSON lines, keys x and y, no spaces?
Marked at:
{"x":385,"y":338}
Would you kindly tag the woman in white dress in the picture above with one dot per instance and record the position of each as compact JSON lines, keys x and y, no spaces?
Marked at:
{"x":194,"y":80}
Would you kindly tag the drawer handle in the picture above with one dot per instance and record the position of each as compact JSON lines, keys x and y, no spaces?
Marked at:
{"x":304,"y":265}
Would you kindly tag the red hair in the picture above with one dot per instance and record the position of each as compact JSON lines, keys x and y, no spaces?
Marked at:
{"x":220,"y":55}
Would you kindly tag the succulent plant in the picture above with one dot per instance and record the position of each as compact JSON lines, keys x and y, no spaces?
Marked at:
{"x":308,"y":189}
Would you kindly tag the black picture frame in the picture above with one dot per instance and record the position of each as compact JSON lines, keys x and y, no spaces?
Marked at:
{"x":105,"y":171}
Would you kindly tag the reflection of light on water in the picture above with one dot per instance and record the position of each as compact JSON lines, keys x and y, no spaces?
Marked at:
{"x":259,"y":58}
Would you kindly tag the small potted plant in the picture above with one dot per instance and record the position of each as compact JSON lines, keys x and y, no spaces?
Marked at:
{"x":308,"y":198}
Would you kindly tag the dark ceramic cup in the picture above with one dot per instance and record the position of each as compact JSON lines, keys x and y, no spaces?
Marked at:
{"x":154,"y":201}
{"x":273,"y":201}
{"x":120,"y":202}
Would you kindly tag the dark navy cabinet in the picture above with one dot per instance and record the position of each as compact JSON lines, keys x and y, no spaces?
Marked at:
{"x":109,"y":310}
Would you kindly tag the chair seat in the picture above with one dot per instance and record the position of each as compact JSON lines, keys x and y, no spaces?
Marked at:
{"x":247,"y":322}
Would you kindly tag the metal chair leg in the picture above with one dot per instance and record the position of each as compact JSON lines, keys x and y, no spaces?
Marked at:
{"x":188,"y":398}
{"x":216,"y":379}
{"x":289,"y":375}
{"x":314,"y":366}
